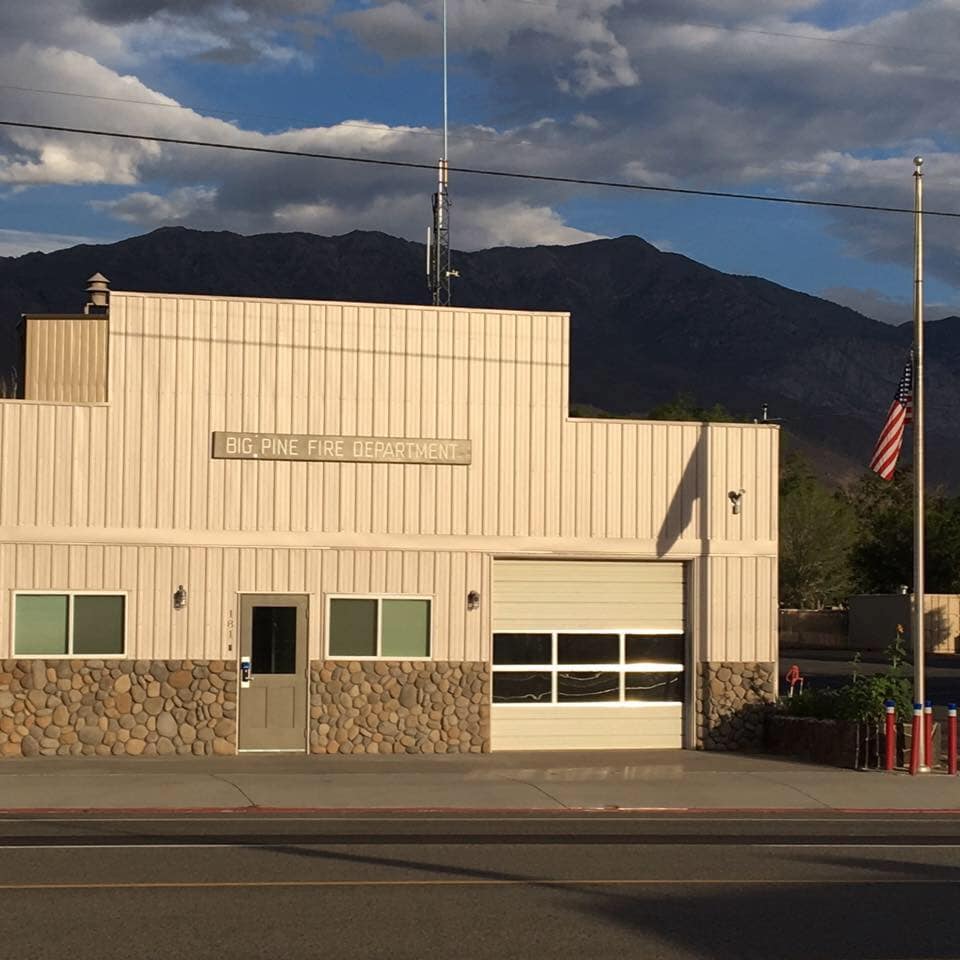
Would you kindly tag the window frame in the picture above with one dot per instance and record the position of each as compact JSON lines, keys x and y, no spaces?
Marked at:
{"x":70,"y":595}
{"x":379,"y":597}
{"x":621,"y":667}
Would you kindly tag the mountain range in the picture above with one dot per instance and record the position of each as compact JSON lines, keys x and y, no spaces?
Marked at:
{"x":646,"y":325}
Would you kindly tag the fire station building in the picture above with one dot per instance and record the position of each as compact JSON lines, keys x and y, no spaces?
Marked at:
{"x":232,"y":524}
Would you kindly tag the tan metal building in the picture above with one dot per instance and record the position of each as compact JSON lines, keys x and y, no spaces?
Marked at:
{"x":232,"y":523}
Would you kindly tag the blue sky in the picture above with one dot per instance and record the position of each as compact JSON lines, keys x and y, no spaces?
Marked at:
{"x":822,"y":100}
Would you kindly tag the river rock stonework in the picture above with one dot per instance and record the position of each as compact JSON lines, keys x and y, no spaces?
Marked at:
{"x":731,"y":701}
{"x":402,"y":706}
{"x":117,"y":707}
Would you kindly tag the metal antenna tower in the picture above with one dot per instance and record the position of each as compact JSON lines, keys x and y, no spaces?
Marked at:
{"x":439,"y":272}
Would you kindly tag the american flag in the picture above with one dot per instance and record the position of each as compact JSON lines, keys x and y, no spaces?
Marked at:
{"x":887,"y":451}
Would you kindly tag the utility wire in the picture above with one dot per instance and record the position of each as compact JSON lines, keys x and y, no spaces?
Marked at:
{"x":477,"y":171}
{"x":722,"y":28}
{"x":217,"y":112}
{"x":778,"y":34}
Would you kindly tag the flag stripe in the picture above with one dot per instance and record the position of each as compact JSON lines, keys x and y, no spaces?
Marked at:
{"x":887,"y":451}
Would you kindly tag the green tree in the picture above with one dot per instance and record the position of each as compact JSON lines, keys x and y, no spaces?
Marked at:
{"x":684,"y":407}
{"x":883,"y":557}
{"x":818,"y":530}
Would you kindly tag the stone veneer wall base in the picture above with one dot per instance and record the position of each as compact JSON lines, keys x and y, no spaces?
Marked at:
{"x":731,"y":701}
{"x":399,"y":706}
{"x":117,"y":707}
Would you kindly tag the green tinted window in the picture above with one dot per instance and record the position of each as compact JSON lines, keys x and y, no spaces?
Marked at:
{"x":405,"y":629}
{"x":353,"y":628}
{"x":98,"y":625}
{"x":41,"y":625}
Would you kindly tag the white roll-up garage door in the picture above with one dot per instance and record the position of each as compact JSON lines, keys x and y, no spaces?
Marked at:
{"x":587,"y":654}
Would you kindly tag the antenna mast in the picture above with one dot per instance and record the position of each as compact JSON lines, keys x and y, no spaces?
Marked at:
{"x":439,"y":273}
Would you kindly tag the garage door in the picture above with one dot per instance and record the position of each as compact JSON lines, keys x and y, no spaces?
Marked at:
{"x":587,"y":655}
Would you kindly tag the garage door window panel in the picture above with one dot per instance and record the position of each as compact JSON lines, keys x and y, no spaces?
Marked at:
{"x":654,"y":687}
{"x":588,"y":648}
{"x":570,"y":667}
{"x":587,"y":687}
{"x":516,"y":687}
{"x":653,"y":648}
{"x":522,"y":648}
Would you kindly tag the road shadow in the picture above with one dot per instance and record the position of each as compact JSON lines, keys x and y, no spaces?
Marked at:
{"x":899,"y":910}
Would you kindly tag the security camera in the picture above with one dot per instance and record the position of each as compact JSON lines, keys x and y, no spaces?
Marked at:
{"x":736,"y":498}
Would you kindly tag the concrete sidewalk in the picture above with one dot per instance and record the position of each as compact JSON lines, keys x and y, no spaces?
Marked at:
{"x":558,"y":781}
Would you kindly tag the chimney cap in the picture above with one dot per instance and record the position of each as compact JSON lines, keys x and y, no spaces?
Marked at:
{"x":98,"y":288}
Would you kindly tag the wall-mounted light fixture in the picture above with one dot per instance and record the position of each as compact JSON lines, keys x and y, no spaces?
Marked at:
{"x":736,"y":499}
{"x":179,"y":598}
{"x":903,"y":590}
{"x":473,"y":600}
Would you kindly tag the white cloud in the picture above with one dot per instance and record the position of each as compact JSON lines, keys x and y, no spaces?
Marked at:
{"x":126,"y":32}
{"x":664,"y":92}
{"x":887,"y":309}
{"x":517,"y":225}
{"x":585,"y":56}
{"x":585,"y":121}
{"x":871,"y":303}
{"x":15,"y":243}
{"x":207,"y":189}
{"x":150,"y":209}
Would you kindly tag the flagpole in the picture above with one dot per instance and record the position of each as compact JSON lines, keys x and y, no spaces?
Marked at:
{"x":918,"y":473}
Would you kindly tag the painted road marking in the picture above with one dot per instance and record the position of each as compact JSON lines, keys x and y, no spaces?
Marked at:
{"x":628,"y":818}
{"x":533,"y":881}
{"x":374,"y":841}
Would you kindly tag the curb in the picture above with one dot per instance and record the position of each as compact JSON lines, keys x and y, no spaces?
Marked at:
{"x":552,"y":812}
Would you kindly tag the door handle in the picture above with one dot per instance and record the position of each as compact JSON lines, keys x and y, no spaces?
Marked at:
{"x":245,"y":672}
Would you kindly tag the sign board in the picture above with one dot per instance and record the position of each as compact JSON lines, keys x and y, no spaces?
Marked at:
{"x":299,"y":446}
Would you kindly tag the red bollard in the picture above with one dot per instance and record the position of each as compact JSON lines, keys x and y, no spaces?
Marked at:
{"x":928,"y":758}
{"x":952,"y":739}
{"x":891,"y":734}
{"x":915,"y":740}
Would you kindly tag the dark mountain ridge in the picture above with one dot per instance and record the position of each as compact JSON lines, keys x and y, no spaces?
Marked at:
{"x":645,"y":324}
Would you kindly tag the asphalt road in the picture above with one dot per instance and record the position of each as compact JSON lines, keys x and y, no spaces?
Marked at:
{"x":670,"y":886}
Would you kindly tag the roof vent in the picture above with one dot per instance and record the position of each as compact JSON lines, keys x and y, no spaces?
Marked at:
{"x":98,"y":290}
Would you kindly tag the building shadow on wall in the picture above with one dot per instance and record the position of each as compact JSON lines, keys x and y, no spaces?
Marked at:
{"x":940,"y":632}
{"x":690,"y":490}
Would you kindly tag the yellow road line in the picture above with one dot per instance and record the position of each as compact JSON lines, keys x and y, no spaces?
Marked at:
{"x":254,"y":884}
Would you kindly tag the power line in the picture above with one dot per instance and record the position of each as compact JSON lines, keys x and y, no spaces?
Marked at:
{"x":778,"y":34}
{"x":210,"y":110}
{"x":217,"y":112}
{"x":721,"y":28}
{"x":478,"y":171}
{"x":843,"y":41}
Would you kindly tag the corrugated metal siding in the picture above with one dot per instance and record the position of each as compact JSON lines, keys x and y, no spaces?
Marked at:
{"x":738,"y":608}
{"x":941,"y":615}
{"x":184,"y":367}
{"x":874,"y":620}
{"x":66,"y":359}
{"x":138,"y":470}
{"x":587,"y":595}
{"x":214,"y":576}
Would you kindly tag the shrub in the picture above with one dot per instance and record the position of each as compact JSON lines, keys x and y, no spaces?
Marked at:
{"x":862,"y":698}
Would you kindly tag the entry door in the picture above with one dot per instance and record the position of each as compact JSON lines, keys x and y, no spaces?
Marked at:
{"x":273,"y":708}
